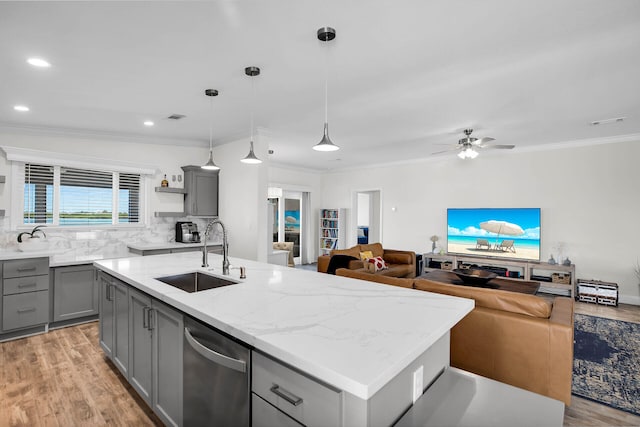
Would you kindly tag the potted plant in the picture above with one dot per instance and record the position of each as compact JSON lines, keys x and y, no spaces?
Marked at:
{"x":34,"y":240}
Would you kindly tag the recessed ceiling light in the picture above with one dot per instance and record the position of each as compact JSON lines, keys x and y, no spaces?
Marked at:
{"x":39,"y":62}
{"x":607,"y":121}
{"x":148,"y":123}
{"x":21,"y":108}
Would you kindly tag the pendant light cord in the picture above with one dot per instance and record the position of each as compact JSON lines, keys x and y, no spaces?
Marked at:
{"x":326,"y":82}
{"x":253,"y":97}
{"x":211,"y":129}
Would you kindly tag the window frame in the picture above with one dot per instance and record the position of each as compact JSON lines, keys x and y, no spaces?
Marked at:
{"x":18,"y":182}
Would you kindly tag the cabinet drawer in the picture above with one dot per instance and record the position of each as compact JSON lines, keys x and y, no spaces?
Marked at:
{"x":265,"y":415}
{"x":20,"y":285}
{"x":24,"y":310}
{"x":25,"y":267}
{"x":302,"y":398}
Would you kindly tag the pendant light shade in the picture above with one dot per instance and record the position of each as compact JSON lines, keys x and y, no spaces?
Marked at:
{"x":251,"y":157}
{"x":326,"y":34}
{"x":211,"y":165}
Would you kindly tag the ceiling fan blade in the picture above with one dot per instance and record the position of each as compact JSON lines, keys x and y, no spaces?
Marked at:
{"x":500,"y":146}
{"x":446,"y":151}
{"x":484,"y":140}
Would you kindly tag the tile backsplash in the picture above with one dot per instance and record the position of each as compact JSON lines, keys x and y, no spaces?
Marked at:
{"x":108,"y":242}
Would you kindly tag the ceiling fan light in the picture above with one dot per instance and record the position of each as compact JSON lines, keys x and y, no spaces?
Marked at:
{"x":472,"y":154}
{"x":325,"y":144}
{"x":210,"y":165}
{"x":251,"y":157}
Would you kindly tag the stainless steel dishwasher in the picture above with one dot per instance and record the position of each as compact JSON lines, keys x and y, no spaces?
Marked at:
{"x":217,"y":375}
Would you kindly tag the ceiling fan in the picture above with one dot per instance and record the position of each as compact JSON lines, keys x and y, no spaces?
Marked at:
{"x":467,"y":146}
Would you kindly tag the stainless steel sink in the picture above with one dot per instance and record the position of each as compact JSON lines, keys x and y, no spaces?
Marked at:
{"x":195,"y":282}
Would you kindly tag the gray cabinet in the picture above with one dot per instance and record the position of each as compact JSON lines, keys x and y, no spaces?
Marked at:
{"x":201,"y":186}
{"x":25,"y":293}
{"x":75,"y":292}
{"x":265,"y":415}
{"x":114,"y":321}
{"x":300,"y":397}
{"x":155,"y":344}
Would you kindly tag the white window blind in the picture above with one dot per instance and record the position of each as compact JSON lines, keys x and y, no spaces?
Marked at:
{"x":38,"y":194}
{"x":129,"y":198}
{"x":85,"y":197}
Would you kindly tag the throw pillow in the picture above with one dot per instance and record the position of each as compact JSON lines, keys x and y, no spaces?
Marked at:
{"x":378,"y":263}
{"x":366,"y":255}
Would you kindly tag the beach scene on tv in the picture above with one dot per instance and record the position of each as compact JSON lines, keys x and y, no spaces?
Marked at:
{"x":501,"y":232}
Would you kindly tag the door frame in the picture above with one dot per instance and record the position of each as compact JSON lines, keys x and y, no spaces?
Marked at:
{"x":352,"y":233}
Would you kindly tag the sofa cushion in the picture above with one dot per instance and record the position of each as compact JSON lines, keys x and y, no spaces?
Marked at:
{"x":378,"y":278}
{"x":378,"y":263}
{"x":354,"y":252}
{"x":397,"y":258}
{"x":375,"y":248}
{"x":513,"y":302}
{"x":366,"y":255}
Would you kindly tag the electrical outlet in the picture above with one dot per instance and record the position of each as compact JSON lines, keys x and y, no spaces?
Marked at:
{"x":417,"y":383}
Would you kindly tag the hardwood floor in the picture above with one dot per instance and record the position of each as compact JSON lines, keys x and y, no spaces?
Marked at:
{"x":63,"y":379}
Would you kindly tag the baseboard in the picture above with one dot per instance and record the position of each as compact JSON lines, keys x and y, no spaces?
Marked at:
{"x":629,"y":299}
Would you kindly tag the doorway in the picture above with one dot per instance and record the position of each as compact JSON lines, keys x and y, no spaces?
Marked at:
{"x":289,"y":220}
{"x":368,"y":216}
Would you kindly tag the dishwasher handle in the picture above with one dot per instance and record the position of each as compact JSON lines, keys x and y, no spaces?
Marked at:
{"x":214,"y":356}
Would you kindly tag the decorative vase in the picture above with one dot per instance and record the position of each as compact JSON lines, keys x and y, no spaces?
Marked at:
{"x":551,"y":260}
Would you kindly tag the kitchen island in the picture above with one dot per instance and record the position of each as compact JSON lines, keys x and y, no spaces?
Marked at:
{"x":366,"y":341}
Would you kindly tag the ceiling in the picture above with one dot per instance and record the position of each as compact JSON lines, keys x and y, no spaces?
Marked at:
{"x":404,"y":76}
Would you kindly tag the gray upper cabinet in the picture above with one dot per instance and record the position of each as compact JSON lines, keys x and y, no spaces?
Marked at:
{"x":201,"y":186}
{"x":75,"y":292}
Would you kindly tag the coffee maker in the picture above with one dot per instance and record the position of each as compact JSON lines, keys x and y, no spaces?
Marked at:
{"x":187,"y":232}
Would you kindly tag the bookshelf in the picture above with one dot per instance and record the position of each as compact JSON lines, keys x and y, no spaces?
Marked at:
{"x":332,"y":230}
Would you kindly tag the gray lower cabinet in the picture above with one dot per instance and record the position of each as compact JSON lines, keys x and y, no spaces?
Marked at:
{"x":155,"y":344}
{"x":265,"y":415}
{"x":24,"y":300}
{"x":114,"y":321}
{"x":75,"y":292}
{"x":201,"y":186}
{"x":292,"y":394}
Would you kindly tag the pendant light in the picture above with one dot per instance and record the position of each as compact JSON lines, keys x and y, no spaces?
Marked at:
{"x":210,"y":165}
{"x":251,"y":157}
{"x":326,"y":34}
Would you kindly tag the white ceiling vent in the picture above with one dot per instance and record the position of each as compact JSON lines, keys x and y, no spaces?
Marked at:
{"x":176,"y":117}
{"x":607,"y":121}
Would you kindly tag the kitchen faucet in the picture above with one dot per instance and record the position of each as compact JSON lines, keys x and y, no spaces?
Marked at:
{"x":225,"y":246}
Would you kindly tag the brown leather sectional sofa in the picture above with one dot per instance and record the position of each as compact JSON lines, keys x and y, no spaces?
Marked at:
{"x":518,"y":339}
{"x":400,"y":263}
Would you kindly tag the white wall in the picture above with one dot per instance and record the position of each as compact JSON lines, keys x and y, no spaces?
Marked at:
{"x":243,"y":195}
{"x":588,"y":197}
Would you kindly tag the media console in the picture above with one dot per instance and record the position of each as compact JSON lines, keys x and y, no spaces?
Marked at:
{"x":554,"y":279}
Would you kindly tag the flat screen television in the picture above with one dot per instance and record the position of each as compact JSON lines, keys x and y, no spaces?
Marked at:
{"x":494,"y":232}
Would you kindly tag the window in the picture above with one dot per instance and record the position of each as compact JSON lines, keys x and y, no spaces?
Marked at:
{"x":80,"y":197}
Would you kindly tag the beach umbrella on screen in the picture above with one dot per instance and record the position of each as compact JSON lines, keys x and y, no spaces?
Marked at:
{"x":502,"y":227}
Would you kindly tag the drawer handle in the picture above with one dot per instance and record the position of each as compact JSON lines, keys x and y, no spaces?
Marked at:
{"x":26,"y":310}
{"x":22,"y":270}
{"x":286,"y":395}
{"x":26,"y":285}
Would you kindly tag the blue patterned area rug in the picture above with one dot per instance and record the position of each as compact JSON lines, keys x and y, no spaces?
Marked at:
{"x":606,"y":362}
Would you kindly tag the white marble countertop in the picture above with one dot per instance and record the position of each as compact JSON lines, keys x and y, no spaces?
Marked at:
{"x":58,"y":259}
{"x":352,"y":334}
{"x":146,"y":246}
